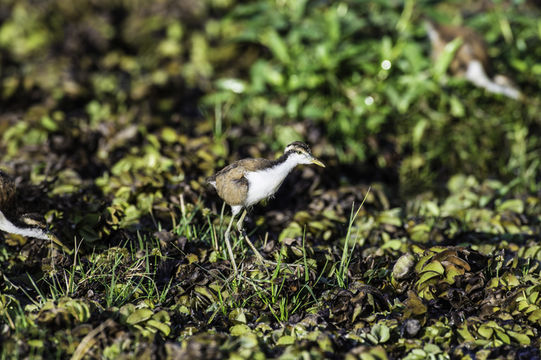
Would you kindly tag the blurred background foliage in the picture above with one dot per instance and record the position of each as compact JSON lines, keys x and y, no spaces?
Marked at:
{"x":357,"y":71}
{"x":129,"y":86}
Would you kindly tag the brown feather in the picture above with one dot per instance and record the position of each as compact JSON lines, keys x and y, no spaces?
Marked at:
{"x":473,"y":47}
{"x":231,"y":184}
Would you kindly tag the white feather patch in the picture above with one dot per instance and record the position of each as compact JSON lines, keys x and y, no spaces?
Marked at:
{"x":9,"y":227}
{"x":264,"y":183}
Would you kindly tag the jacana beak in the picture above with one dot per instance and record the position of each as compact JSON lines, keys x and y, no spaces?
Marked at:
{"x":317,"y":162}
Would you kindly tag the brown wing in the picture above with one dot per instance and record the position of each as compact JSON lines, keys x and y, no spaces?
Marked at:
{"x":247,"y":164}
{"x":231,"y":184}
{"x":473,"y":47}
{"x":224,"y":171}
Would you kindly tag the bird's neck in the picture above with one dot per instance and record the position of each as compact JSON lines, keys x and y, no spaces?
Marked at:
{"x":264,"y":183}
{"x":283,"y":166}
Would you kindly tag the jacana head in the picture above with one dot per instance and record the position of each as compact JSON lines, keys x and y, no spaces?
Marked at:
{"x":301,"y":153}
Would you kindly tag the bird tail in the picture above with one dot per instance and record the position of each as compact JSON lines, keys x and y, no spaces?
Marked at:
{"x":212,"y":180}
{"x":500,"y":85}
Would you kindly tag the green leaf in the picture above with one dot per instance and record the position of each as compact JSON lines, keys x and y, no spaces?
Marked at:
{"x":427,"y":276}
{"x":533,"y":297}
{"x":286,"y":340}
{"x":432,"y":349}
{"x":522,"y":339}
{"x":444,"y":60}
{"x":485,"y":331}
{"x":382,"y":332}
{"x":238,"y":316}
{"x":292,"y":231}
{"x":457,"y":108}
{"x":49,"y":124}
{"x":275,"y":43}
{"x":169,"y":135}
{"x":511,"y":280}
{"x":390,"y":217}
{"x":206,"y":292}
{"x":465,"y":333}
{"x":535,"y":316}
{"x":164,"y":328}
{"x":420,"y":233}
{"x":162,"y":316}
{"x":451,"y":273}
{"x":503,"y":336}
{"x":434,"y":266}
{"x":36,"y":343}
{"x":239,"y":329}
{"x":515,"y":205}
{"x":138,"y":316}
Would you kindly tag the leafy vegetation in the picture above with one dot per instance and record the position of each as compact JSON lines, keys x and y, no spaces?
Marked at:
{"x":419,"y":240}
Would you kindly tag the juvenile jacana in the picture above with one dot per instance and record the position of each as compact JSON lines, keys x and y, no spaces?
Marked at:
{"x":471,"y":60}
{"x":246,"y":182}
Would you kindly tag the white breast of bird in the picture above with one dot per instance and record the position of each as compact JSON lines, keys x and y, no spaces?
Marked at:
{"x":264,"y":183}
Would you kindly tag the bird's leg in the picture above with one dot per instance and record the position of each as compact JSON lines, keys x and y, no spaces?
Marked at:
{"x":262,"y":260}
{"x":228,"y":244}
{"x":240,"y":223}
{"x":241,"y":230}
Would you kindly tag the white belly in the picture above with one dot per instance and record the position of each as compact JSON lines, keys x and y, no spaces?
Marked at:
{"x":262,"y":184}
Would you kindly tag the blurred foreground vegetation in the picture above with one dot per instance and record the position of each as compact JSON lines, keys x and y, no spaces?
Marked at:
{"x":113,"y":113}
